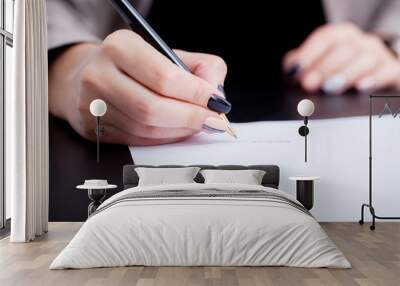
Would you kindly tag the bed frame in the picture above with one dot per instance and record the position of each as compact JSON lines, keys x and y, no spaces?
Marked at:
{"x":271,"y":177}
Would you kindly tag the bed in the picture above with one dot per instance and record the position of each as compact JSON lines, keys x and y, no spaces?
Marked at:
{"x":201,"y":224}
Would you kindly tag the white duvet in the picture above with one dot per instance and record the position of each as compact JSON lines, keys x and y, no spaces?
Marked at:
{"x":200,"y":231}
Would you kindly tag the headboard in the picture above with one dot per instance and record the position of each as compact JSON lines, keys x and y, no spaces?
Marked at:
{"x":271,"y":177}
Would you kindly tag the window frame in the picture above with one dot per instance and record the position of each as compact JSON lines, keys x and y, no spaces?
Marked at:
{"x":6,"y":39}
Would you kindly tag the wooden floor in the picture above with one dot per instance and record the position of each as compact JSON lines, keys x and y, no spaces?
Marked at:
{"x":375,"y":257}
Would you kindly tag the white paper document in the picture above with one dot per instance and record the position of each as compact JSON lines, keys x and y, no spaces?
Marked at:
{"x":337,"y":153}
{"x":254,"y":140}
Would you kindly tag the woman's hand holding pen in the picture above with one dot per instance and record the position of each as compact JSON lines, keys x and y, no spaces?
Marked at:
{"x":150,"y":100}
{"x":339,"y":56}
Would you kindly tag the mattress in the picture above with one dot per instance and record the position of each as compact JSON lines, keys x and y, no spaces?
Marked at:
{"x":201,"y":225}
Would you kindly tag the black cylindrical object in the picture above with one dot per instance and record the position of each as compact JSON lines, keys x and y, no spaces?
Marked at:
{"x":305,"y":193}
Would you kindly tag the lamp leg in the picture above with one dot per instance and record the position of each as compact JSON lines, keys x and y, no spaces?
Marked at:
{"x":305,"y":148}
{"x":98,"y":138}
{"x":303,"y":131}
{"x":98,"y":149}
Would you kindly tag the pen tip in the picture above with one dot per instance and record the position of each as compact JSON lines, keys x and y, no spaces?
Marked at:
{"x":229,"y":127}
{"x":232,"y":133}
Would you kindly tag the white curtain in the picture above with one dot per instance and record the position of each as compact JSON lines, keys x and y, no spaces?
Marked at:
{"x":27,"y":124}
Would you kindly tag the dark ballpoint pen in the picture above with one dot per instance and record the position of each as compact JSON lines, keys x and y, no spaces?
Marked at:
{"x":136,"y":21}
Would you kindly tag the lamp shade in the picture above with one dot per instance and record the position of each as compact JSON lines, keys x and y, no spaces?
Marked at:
{"x":98,"y":107}
{"x":305,"y":108}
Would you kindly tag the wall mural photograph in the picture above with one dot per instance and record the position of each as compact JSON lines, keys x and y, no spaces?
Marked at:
{"x":147,"y":142}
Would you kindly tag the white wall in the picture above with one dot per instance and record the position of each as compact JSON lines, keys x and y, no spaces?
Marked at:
{"x":338,"y":153}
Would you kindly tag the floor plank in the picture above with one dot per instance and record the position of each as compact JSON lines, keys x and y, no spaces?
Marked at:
{"x":375,"y":257}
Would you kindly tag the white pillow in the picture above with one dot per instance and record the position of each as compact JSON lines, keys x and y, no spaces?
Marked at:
{"x":165,"y":176}
{"x":248,"y":177}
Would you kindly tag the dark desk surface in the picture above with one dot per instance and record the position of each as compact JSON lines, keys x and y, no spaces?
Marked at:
{"x":283,"y":105}
{"x":73,"y":159}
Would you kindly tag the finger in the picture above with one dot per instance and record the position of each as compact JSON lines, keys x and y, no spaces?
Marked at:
{"x":209,"y":67}
{"x":386,"y":76}
{"x":319,"y":43}
{"x":149,"y":67}
{"x":116,"y":136}
{"x":347,"y":75}
{"x":311,"y":81}
{"x":361,"y":67}
{"x":344,"y":70}
{"x":333,"y":61}
{"x":309,"y":52}
{"x":131,"y":127}
{"x":141,"y":104}
{"x":290,"y":63}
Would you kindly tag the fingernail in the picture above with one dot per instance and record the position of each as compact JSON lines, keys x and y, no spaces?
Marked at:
{"x":366,"y":85}
{"x":214,"y":125}
{"x":293,"y":70}
{"x":219,"y":104}
{"x":222,"y":90}
{"x":334,"y":84}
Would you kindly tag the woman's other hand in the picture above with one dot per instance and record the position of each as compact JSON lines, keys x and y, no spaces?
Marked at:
{"x":336,"y":57}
